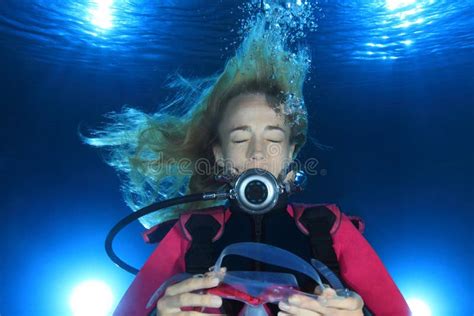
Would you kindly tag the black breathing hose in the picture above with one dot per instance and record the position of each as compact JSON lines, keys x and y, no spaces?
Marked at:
{"x":147,"y":210}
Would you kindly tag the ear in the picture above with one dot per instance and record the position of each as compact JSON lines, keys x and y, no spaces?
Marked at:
{"x":291,"y":175}
{"x":218,"y":156}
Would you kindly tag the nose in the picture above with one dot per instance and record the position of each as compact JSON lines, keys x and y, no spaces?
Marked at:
{"x":256,"y":150}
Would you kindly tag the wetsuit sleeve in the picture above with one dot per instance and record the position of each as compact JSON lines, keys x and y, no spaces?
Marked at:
{"x":364,"y":272}
{"x":167,"y":260}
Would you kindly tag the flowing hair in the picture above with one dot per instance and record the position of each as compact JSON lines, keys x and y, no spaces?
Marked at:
{"x":161,"y":155}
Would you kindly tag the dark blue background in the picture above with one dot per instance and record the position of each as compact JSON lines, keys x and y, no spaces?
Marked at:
{"x":402,"y":158}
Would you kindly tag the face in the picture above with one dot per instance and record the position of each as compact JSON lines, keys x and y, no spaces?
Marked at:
{"x":253,"y":135}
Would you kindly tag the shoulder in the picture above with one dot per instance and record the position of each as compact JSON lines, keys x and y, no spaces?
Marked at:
{"x":328,"y":216}
{"x":213,"y":217}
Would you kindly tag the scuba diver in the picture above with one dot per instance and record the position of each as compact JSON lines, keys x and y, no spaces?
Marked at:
{"x":250,"y":120}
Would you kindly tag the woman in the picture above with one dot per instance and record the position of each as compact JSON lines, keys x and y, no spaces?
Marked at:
{"x":252,"y":115}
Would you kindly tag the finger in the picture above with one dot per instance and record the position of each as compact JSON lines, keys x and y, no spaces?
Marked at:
{"x":191,"y":284}
{"x":296,"y":310}
{"x":328,"y":293}
{"x":179,"y":312}
{"x":318,"y":290}
{"x":218,"y":274}
{"x":306,"y":302}
{"x":354,"y":302}
{"x":193,"y":313}
{"x":191,"y":300}
{"x":212,"y":269}
{"x":283,"y":314}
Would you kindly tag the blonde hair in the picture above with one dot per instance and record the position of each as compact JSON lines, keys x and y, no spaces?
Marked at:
{"x":157,"y":154}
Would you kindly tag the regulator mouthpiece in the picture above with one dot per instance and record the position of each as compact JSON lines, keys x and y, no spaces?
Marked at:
{"x":256,"y":191}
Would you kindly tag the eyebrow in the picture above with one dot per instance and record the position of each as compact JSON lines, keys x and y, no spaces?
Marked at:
{"x":247,"y":128}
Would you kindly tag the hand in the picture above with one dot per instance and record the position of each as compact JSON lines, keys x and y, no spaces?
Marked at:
{"x":179,"y":295}
{"x":327,"y":304}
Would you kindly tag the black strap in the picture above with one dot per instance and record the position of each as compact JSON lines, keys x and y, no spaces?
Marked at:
{"x":200,"y":256}
{"x":157,"y":235}
{"x":318,"y":221}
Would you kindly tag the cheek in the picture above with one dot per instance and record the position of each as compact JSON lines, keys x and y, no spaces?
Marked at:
{"x":277,"y":157}
{"x":235,"y":153}
{"x":277,"y":151}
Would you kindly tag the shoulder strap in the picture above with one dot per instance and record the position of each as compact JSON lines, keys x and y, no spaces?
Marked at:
{"x":158,"y":232}
{"x":319,"y":222}
{"x":202,"y":228}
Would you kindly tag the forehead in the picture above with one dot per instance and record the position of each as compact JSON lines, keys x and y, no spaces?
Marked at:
{"x":253,"y":110}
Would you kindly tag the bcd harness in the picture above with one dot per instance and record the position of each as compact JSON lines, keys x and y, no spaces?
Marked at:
{"x":316,"y":222}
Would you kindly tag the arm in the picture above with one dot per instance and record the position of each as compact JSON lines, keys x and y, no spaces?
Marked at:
{"x":364,"y":272}
{"x":167,"y":260}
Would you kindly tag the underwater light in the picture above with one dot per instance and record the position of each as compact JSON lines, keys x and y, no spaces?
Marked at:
{"x":101,"y":13}
{"x":418,"y":307}
{"x":397,"y":4}
{"x":91,"y":298}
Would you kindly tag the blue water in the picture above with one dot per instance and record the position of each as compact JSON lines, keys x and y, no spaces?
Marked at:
{"x":391,"y":91}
